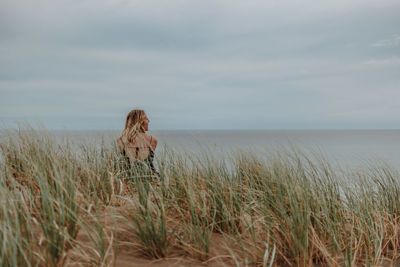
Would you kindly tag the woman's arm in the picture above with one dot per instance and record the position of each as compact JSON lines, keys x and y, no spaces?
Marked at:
{"x":153,"y":142}
{"x":120,"y":144}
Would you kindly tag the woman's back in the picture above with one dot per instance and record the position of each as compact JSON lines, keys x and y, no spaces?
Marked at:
{"x":140,"y":148}
{"x":137,"y":146}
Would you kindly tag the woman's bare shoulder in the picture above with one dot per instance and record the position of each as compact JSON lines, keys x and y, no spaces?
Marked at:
{"x":119,"y":140}
{"x":152,"y":140}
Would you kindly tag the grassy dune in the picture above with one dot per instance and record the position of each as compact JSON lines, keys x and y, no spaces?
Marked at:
{"x":64,"y":207}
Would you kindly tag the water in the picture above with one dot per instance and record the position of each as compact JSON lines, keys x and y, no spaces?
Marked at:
{"x":347,"y":148}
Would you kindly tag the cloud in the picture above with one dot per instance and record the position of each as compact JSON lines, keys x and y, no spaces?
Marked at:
{"x":384,"y":62}
{"x":393,"y":41}
{"x":203,"y":64}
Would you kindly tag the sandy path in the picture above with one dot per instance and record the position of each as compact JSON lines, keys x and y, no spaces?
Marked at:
{"x":126,"y":252}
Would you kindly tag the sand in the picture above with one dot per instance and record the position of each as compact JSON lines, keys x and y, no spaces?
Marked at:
{"x":126,"y":251}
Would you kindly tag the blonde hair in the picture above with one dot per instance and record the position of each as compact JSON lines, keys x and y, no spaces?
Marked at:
{"x":133,"y":125}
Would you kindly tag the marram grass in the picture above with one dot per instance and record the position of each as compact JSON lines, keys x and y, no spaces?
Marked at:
{"x":63,"y":206}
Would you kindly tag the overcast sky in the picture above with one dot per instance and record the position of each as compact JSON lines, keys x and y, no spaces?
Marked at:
{"x":202,"y":64}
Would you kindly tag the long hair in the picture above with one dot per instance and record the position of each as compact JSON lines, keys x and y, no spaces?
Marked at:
{"x":133,"y":125}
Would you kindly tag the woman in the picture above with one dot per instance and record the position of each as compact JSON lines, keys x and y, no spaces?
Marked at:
{"x":134,"y":143}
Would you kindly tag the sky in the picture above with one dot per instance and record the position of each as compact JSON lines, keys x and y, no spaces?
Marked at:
{"x":209,"y":64}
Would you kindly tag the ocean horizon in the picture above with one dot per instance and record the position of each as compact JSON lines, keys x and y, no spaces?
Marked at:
{"x":346,"y":148}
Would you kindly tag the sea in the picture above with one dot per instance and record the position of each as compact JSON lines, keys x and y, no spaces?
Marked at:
{"x":345,"y":148}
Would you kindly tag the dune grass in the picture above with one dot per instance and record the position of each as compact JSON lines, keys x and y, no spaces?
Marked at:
{"x":284,"y":208}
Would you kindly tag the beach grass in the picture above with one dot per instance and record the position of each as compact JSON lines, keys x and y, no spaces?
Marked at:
{"x":68,"y":206}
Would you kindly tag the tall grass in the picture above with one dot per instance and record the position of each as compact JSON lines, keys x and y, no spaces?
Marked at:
{"x":284,"y":208}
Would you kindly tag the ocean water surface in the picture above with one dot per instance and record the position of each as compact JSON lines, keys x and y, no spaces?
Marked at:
{"x":345,"y":148}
